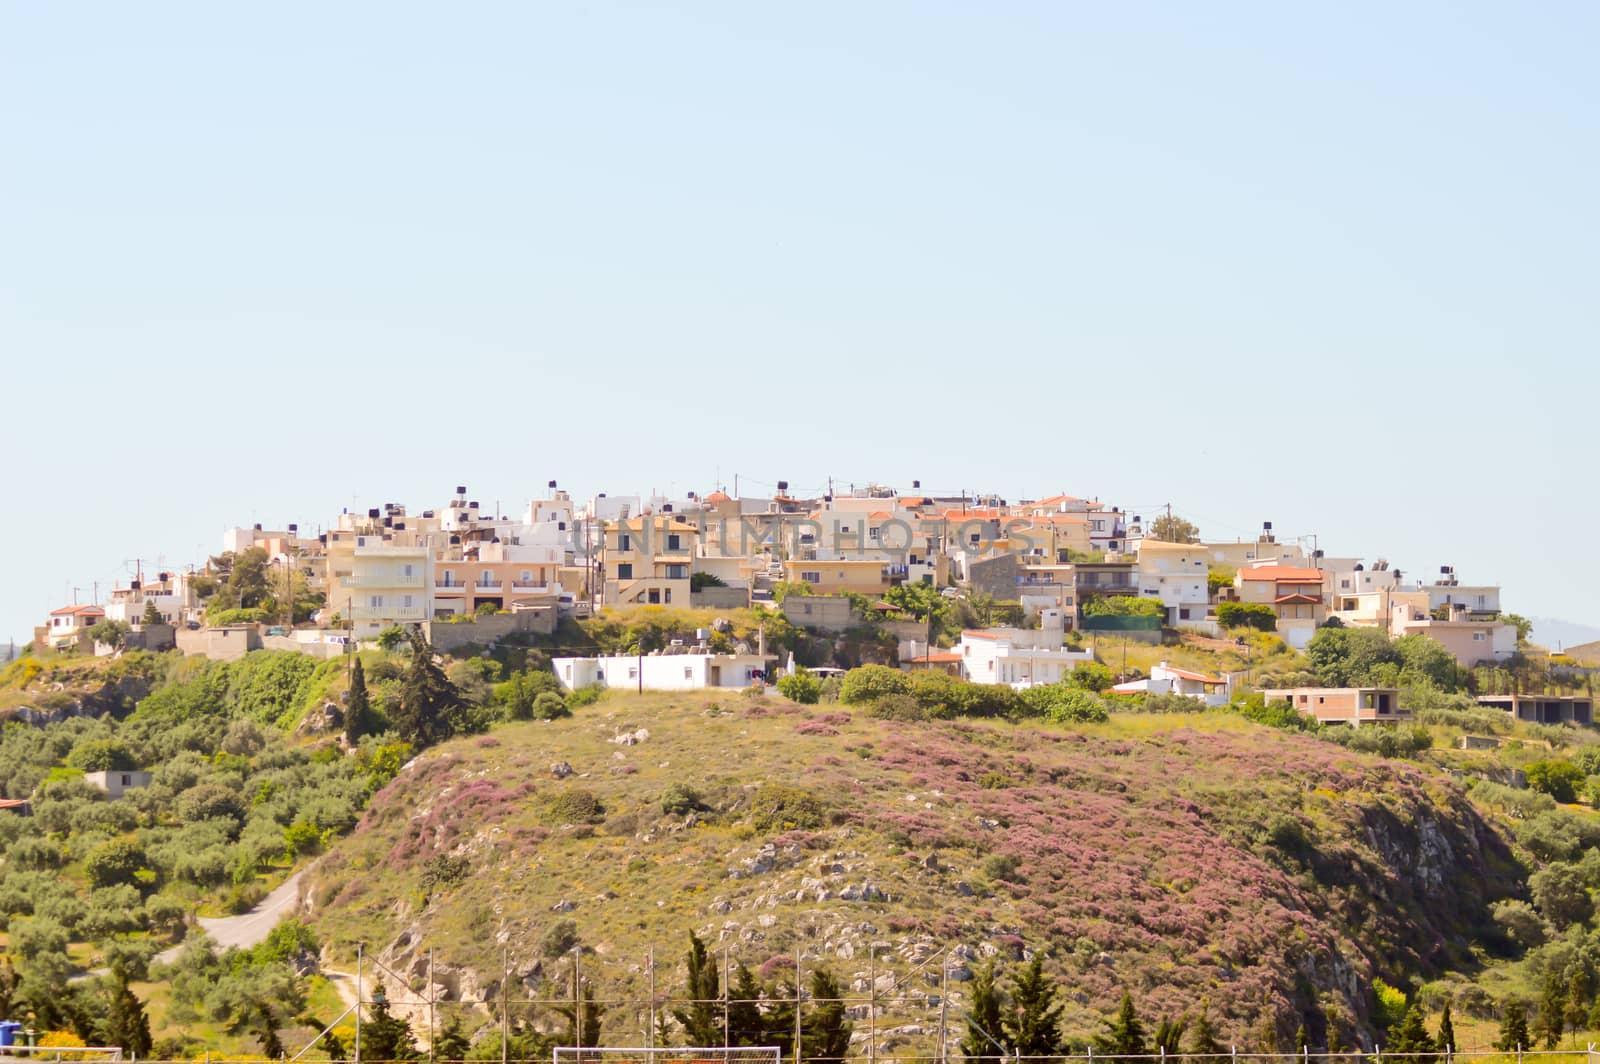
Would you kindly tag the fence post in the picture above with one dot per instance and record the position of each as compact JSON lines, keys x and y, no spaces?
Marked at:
{"x":1233,"y":1054}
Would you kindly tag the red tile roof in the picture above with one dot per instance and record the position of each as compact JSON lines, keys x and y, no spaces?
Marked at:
{"x":84,"y":610}
{"x":937,"y":659}
{"x":1285,"y":573}
{"x":979,"y":635}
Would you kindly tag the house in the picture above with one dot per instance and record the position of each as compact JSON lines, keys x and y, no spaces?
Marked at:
{"x":68,"y":622}
{"x":116,"y":784}
{"x":1178,"y":575}
{"x":19,"y":806}
{"x":1469,"y":640}
{"x":174,"y":601}
{"x":1354,"y":706}
{"x":1293,"y":592}
{"x":1020,"y":657}
{"x":664,"y":672}
{"x":1167,"y":679}
{"x":380,"y":568}
{"x":821,"y":613}
{"x":945,"y":661}
{"x":648,"y":559}
{"x":1543,"y":709}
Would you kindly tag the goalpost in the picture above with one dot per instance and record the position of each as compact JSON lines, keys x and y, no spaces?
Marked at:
{"x":668,"y":1055}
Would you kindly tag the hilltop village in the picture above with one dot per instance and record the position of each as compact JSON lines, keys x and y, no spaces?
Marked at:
{"x":1038,"y":578}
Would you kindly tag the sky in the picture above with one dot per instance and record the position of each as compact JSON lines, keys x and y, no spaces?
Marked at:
{"x":1332,"y":267}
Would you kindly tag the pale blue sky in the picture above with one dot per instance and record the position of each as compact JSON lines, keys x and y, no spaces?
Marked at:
{"x":1333,"y":267}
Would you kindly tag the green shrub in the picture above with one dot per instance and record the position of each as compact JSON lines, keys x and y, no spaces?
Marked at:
{"x":871,"y":682}
{"x":800,"y":686}
{"x":1002,"y":867}
{"x":1247,"y":615}
{"x":113,"y":862}
{"x":549,"y":706}
{"x":679,"y":798}
{"x":585,"y":696}
{"x":897,"y":707}
{"x":571,"y":805}
{"x":1557,"y":778}
{"x":780,"y":807}
{"x":1064,"y":704}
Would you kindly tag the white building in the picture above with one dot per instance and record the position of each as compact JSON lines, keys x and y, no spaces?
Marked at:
{"x":664,"y":672}
{"x":1019,"y":657}
{"x":1177,"y":573}
{"x":1169,"y":680}
{"x":116,"y":783}
{"x":171,"y":594}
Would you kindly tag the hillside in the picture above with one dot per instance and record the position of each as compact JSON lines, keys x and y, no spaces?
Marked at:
{"x":1183,"y":858}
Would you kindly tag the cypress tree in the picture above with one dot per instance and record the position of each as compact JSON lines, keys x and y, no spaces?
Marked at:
{"x":1123,"y":1036}
{"x":1410,"y":1035}
{"x":1552,"y":1011}
{"x":702,"y":1020}
{"x":1169,"y":1034}
{"x":985,"y":1037}
{"x":355,"y":710}
{"x":1446,"y":1038}
{"x":385,"y":1036}
{"x":1034,"y":1027}
{"x":1576,"y":1011}
{"x":429,"y":705}
{"x":583,"y":1017}
{"x":745,"y":1027}
{"x":1513,"y":1028}
{"x":825,"y":1033}
{"x":126,"y":1024}
{"x":1204,"y":1043}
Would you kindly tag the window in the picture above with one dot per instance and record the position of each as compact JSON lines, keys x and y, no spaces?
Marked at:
{"x":655,"y":596}
{"x":487,"y":579}
{"x":811,"y":577}
{"x":376,"y":602}
{"x":526,"y":577}
{"x":688,"y":672}
{"x":1479,"y":636}
{"x":127,"y":780}
{"x":448,"y":580}
{"x":625,"y":542}
{"x":666,"y":596}
{"x":677,"y":571}
{"x":1183,"y":613}
{"x":625,"y":571}
{"x":406,"y":601}
{"x":408,"y":571}
{"x":674,"y":542}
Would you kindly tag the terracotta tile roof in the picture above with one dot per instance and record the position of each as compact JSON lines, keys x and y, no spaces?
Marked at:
{"x":979,"y":635}
{"x":937,"y":659}
{"x":1285,"y":573}
{"x":1286,"y":600}
{"x":84,"y":610}
{"x":13,"y":803}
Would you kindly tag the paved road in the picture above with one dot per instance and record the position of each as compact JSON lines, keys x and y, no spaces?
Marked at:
{"x":246,"y":929}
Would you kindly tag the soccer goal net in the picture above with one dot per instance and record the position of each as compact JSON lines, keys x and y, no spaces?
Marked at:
{"x":668,"y":1055}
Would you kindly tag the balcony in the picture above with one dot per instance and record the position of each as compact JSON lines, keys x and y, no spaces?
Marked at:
{"x":491,"y":586}
{"x":381,"y":580}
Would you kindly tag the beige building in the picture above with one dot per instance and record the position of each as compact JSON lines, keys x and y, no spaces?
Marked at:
{"x":379,"y":576}
{"x":648,"y":560}
{"x":1295,"y":595}
{"x":1354,"y":706}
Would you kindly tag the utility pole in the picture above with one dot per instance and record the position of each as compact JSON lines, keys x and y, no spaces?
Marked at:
{"x":360,"y":962}
{"x":505,"y":990}
{"x":650,"y":1028}
{"x":727,"y":997}
{"x":432,"y":998}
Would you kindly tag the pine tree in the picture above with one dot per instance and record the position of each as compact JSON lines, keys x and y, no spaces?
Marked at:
{"x":1204,"y":1043}
{"x":452,"y":1043}
{"x":151,"y":614}
{"x":745,"y":1027}
{"x":778,"y":1020}
{"x":126,"y":1024}
{"x":1033,"y":1028}
{"x":385,"y":1036}
{"x":1552,"y":1011}
{"x":825,"y":1033}
{"x":356,"y":707}
{"x":429,"y":706}
{"x":1513,"y":1028}
{"x":985,"y":1037}
{"x":1334,"y":1022}
{"x":1124,"y":1036}
{"x":583,"y":1017}
{"x":1446,"y":1038}
{"x":702,"y":1020}
{"x":1410,"y":1035}
{"x":1302,"y":1041}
